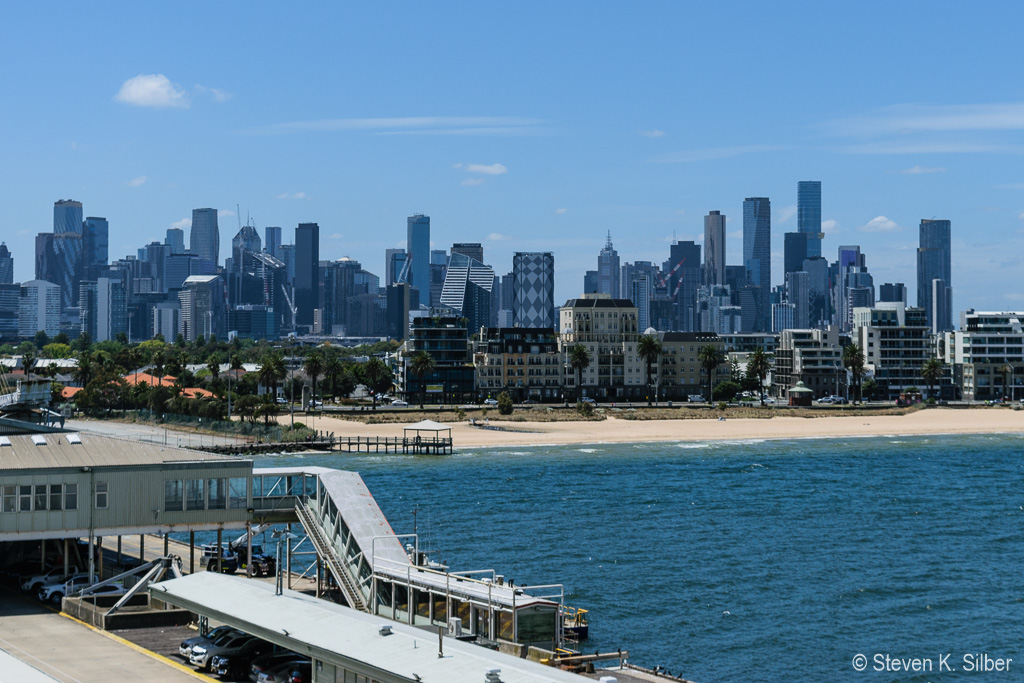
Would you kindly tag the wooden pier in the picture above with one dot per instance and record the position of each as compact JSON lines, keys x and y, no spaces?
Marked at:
{"x":405,"y":445}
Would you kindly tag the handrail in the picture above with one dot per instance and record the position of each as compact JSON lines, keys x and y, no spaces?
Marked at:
{"x":316,"y":535}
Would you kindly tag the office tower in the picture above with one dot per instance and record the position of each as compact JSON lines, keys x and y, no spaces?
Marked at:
{"x":175,"y":239}
{"x":757,"y":254}
{"x":783,"y":317}
{"x":246,"y":239}
{"x":203,"y":310}
{"x":10,"y":302}
{"x":286,"y":252}
{"x":714,"y":248}
{"x":204,"y":238}
{"x":608,"y":270}
{"x":417,"y":246}
{"x":533,"y":296}
{"x":104,"y":310}
{"x":39,"y":309}
{"x":590,"y":285}
{"x":892,"y":292}
{"x":933,"y":263}
{"x":794,"y":251}
{"x":6,"y":265}
{"x":473,"y":250}
{"x":177,"y":267}
{"x":402,"y":298}
{"x":438,"y":266}
{"x":467,"y":290}
{"x":394,"y":265}
{"x":798,"y":293}
{"x":854,"y":286}
{"x":341,"y":283}
{"x":166,"y":319}
{"x":95,"y":246}
{"x":808,"y":214}
{"x":820,"y":296}
{"x":272,"y":239}
{"x":67,"y":265}
{"x":154,"y":257}
{"x":682,"y":279}
{"x":942,"y":305}
{"x":307,"y":271}
{"x":67,"y":216}
{"x":640,"y":295}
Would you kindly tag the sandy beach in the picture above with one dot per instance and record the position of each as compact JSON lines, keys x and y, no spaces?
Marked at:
{"x":613,"y":430}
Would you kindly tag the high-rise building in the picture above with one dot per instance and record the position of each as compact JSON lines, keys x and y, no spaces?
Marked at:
{"x":67,"y":216}
{"x":307,"y":271}
{"x":794,"y":251}
{"x":394,"y":265}
{"x":808,"y":214}
{"x":247,"y":239}
{"x":533,"y":297}
{"x":6,"y":265}
{"x":67,"y":265}
{"x":175,"y":239}
{"x":104,"y":309}
{"x":467,"y":290}
{"x":854,"y":287}
{"x":473,"y":250}
{"x":10,"y":302}
{"x":757,"y":254}
{"x":714,"y":249}
{"x":39,"y":309}
{"x":204,"y":238}
{"x":682,"y":279}
{"x":417,"y":248}
{"x":934,"y":263}
{"x":892,"y":292}
{"x":608,"y":270}
{"x":272,"y":239}
{"x":783,"y":316}
{"x":203,"y":309}
{"x":798,"y":293}
{"x":402,"y":298}
{"x":640,"y":294}
{"x":95,"y":246}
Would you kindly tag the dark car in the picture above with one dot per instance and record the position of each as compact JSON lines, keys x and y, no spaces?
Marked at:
{"x":297,"y":670}
{"x":185,"y":649}
{"x":265,"y":664}
{"x":235,"y":664}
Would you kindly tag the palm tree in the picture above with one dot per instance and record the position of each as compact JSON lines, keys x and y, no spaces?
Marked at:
{"x":710,"y":357}
{"x":421,"y":364}
{"x":1006,"y":370}
{"x":579,"y":360}
{"x":314,"y":367}
{"x":158,"y":361}
{"x":932,"y":370}
{"x":377,"y":377}
{"x":332,"y":370}
{"x":85,"y":371}
{"x":272,"y":371}
{"x":648,"y":348}
{"x":853,"y":360}
{"x":759,"y":364}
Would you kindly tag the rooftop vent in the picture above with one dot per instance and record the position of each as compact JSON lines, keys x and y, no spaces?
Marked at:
{"x":39,"y":440}
{"x":74,"y":438}
{"x":385,"y":630}
{"x":492,"y":676}
{"x":5,"y":441}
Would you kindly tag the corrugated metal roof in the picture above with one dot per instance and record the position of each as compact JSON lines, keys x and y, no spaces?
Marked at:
{"x":345,"y":636}
{"x":93,"y":451}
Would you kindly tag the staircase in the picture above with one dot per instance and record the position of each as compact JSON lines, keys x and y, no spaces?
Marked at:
{"x":327,"y":551}
{"x":10,"y":399}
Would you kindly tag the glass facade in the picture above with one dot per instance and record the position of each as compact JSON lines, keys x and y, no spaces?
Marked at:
{"x":418,"y":249}
{"x":808,"y":214}
{"x":757,"y":254}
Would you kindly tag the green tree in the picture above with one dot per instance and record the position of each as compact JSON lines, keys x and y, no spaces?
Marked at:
{"x":41,"y":339}
{"x":726,"y":391}
{"x":314,"y":367}
{"x":932,"y":370}
{"x":648,"y":349}
{"x":505,"y":406}
{"x":579,"y":360}
{"x":853,"y":360}
{"x":759,"y":365}
{"x":1006,"y":370}
{"x":333,"y":369}
{"x":422,"y":364}
{"x":56,"y":350}
{"x":85,"y":371}
{"x":710,"y":358}
{"x":83,"y":342}
{"x":271,"y":372}
{"x":377,"y":377}
{"x":869,"y":388}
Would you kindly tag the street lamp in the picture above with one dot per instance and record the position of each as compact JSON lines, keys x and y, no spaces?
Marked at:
{"x":280,"y":535}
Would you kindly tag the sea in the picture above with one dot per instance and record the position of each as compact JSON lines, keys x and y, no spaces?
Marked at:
{"x":797,"y":559}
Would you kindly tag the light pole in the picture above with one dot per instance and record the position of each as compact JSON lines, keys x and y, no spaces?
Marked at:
{"x":280,"y":535}
{"x":229,"y":387}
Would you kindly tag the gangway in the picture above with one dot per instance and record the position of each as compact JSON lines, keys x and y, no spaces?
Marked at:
{"x":326,"y":551}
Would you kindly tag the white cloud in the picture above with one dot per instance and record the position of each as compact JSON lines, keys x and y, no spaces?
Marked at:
{"x":1021,"y":215}
{"x":217,"y":94}
{"x":829,"y":227}
{"x":904,"y":119}
{"x":225,"y":213}
{"x":491,"y":169}
{"x":915,"y":170}
{"x":136,"y":182}
{"x":22,"y":233}
{"x":1010,"y":186}
{"x":291,"y":195}
{"x":561,"y":211}
{"x":416,"y":125}
{"x":336,"y":236}
{"x":497,"y":237}
{"x":880,"y":224}
{"x":473,"y":182}
{"x":954,"y":147}
{"x":715,"y":153}
{"x":784,"y":214}
{"x":655,"y":133}
{"x":183,"y":224}
{"x":152,"y":90}
{"x":679,"y":212}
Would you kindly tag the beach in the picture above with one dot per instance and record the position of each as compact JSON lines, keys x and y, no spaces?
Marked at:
{"x":617,"y":430}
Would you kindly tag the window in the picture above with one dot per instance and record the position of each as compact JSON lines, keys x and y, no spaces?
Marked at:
{"x":218,"y":495}
{"x":70,"y":496}
{"x":195,"y":498}
{"x":56,"y":496}
{"x":238,"y":498}
{"x":40,"y":497}
{"x":10,"y":498}
{"x":173,"y":501}
{"x":101,"y":495}
{"x":24,"y":499}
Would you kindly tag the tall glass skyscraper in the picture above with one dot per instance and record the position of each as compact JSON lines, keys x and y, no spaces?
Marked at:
{"x":417,"y":247}
{"x":714,"y":248}
{"x":307,"y":274}
{"x":608,"y":270}
{"x":934,"y":263}
{"x":757,"y":254}
{"x":95,"y":245}
{"x":533,"y":289}
{"x":272,"y":241}
{"x":175,"y":240}
{"x":808,"y":214}
{"x":67,"y":216}
{"x":204,"y":238}
{"x":6,"y":265}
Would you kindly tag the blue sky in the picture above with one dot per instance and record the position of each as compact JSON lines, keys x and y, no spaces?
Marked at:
{"x":526,"y":126}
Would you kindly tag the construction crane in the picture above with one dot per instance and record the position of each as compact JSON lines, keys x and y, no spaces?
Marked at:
{"x":405,"y":270}
{"x":291,"y":304}
{"x":667,"y":276}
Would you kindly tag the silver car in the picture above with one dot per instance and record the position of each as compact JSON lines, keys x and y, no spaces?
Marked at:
{"x":185,"y":649}
{"x":202,"y":655}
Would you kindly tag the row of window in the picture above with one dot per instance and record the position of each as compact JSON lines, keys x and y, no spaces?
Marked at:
{"x":47,"y":497}
{"x":205,"y":494}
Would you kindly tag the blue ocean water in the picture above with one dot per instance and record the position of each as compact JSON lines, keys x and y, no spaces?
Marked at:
{"x":742,"y":561}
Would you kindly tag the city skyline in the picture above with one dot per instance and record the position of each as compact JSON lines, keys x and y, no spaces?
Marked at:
{"x":522,"y":168}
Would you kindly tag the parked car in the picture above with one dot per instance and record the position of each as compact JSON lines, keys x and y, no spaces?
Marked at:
{"x":234,"y":662}
{"x":55,"y":592}
{"x":208,"y":559}
{"x":32,"y":583}
{"x":695,"y":398}
{"x":282,"y":401}
{"x":588,"y":399}
{"x":530,"y":402}
{"x":266,"y":664}
{"x":399,"y":403}
{"x":490,"y":401}
{"x":287,"y":671}
{"x":185,"y":649}
{"x":228,"y":644}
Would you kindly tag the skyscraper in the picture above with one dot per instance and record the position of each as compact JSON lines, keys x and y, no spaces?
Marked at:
{"x":246,"y":239}
{"x":95,"y":246}
{"x":417,"y":246}
{"x":608,"y":270}
{"x":6,"y":265}
{"x":272,"y":239}
{"x":467,"y":290}
{"x":203,"y":310}
{"x":714,"y":248}
{"x":473,"y":250}
{"x":307,"y":271}
{"x":175,"y":240}
{"x":533,"y":289}
{"x":683,"y":278}
{"x":934,"y":263}
{"x":794,"y":251}
{"x":204,"y":238}
{"x":394,"y":264}
{"x":39,"y":308}
{"x":892,"y":292}
{"x":757,"y":255}
{"x":808,"y":214}
{"x":104,"y":312}
{"x":67,"y":216}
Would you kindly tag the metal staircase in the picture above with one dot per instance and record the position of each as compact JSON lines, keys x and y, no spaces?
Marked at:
{"x":327,"y":551}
